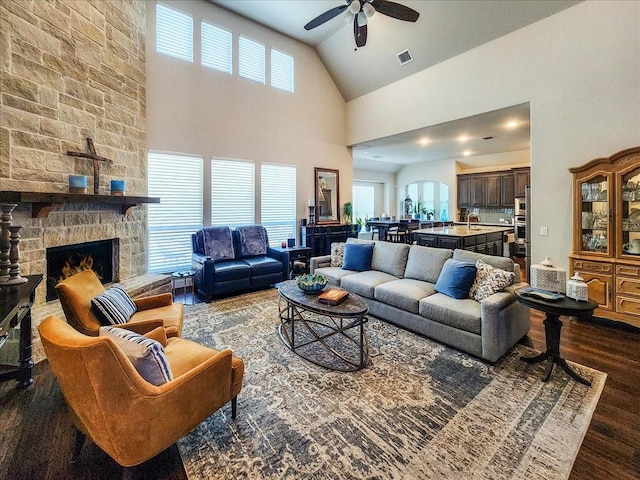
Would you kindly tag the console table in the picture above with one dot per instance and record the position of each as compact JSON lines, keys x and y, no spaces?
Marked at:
{"x":15,"y":309}
{"x":320,"y":237}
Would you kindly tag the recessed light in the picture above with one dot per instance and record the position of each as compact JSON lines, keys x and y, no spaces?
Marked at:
{"x":424,"y":141}
{"x":463,"y":138}
{"x":466,"y":153}
{"x":512,"y":123}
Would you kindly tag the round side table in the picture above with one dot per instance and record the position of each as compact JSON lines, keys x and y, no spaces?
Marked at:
{"x":553,"y":326}
{"x":186,"y":277}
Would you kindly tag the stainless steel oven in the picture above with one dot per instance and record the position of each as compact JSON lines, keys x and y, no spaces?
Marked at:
{"x":520,"y":207}
{"x":520,"y":227}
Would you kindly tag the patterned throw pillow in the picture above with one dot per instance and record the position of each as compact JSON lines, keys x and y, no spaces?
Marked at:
{"x":337,"y":254}
{"x":114,"y":306}
{"x":146,"y":355}
{"x":489,"y":280}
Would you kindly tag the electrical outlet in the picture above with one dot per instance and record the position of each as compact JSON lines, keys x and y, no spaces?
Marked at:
{"x":544,"y":231}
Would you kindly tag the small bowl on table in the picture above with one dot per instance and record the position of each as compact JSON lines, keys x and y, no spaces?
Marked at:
{"x":311,"y":283}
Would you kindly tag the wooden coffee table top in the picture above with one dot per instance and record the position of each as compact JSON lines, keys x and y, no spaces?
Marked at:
{"x":353,"y":306}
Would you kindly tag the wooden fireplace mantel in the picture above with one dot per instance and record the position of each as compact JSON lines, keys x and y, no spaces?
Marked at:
{"x":43,"y":203}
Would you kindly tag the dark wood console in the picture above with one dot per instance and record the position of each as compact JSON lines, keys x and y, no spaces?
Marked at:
{"x":320,"y":237}
{"x":15,"y":309}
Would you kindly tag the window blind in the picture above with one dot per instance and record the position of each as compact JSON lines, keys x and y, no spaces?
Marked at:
{"x":363,"y":198}
{"x":251,"y":60}
{"x":232,"y":192}
{"x":278,"y":200}
{"x":177,"y":180}
{"x":174,"y":33}
{"x":282,"y":71}
{"x":216,"y":48}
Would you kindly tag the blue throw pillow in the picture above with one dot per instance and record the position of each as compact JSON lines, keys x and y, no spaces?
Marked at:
{"x":456,"y":278}
{"x":357,"y":256}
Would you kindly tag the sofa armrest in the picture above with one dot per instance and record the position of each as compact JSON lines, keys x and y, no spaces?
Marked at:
{"x":318,"y":262}
{"x":153,"y":301}
{"x":200,"y":258}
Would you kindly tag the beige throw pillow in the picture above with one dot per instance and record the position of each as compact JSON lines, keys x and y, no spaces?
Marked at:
{"x":337,"y":254}
{"x":489,"y":280}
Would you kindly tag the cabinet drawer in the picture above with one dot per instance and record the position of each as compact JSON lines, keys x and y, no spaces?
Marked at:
{"x":600,"y":289}
{"x":589,"y":266}
{"x":627,"y":286}
{"x":628,"y":305}
{"x":628,"y":270}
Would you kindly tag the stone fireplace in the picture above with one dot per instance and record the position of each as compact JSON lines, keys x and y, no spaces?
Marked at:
{"x":101,"y":256}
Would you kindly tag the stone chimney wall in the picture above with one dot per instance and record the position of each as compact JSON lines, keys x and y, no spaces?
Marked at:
{"x":72,"y":69}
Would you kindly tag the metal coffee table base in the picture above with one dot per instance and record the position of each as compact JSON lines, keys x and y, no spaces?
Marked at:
{"x":321,"y":338}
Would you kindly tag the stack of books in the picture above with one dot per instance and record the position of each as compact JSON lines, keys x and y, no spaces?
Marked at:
{"x":333,"y":296}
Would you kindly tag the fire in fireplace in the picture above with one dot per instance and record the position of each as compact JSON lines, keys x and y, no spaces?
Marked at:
{"x":101,"y":256}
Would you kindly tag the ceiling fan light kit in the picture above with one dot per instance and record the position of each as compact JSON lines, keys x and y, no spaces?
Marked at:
{"x":359,"y":11}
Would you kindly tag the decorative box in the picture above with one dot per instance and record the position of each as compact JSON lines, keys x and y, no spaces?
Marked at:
{"x":548,"y":277}
{"x":577,"y":289}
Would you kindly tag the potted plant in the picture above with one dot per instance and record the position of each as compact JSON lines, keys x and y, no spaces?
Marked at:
{"x":347,"y":212}
{"x":360,"y":223}
{"x":430,"y":214}
{"x":366,"y":223}
{"x":418,"y":209}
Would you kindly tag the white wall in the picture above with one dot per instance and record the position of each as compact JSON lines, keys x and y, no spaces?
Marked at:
{"x":580,"y":71}
{"x":196,"y":110}
{"x":385,"y":191}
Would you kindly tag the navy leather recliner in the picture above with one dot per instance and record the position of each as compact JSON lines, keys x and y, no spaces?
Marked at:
{"x":228,"y":260}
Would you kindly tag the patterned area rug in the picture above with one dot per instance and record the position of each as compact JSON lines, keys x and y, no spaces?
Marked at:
{"x":420,"y":410}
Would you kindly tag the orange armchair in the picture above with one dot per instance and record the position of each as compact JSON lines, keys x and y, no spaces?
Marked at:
{"x":75,"y":294}
{"x":127,"y":417}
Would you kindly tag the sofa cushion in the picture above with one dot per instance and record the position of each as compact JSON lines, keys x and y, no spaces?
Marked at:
{"x":335,"y":274}
{"x":252,"y":240}
{"x":263,"y":265}
{"x":357,"y":257}
{"x":489,"y":280}
{"x":404,"y":293}
{"x":463,"y":314}
{"x":231,"y":270}
{"x":425,"y":263}
{"x":337,"y":254}
{"x":145,"y":354}
{"x":218,"y":243}
{"x":499,"y":262}
{"x":364,"y":283}
{"x":456,"y":278}
{"x":114,"y":306}
{"x":390,"y":258}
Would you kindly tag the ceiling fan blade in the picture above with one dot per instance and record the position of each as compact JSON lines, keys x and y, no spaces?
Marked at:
{"x":359,"y":33}
{"x":395,"y":10}
{"x":325,"y":17}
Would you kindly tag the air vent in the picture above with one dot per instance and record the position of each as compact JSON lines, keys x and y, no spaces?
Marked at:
{"x":490,"y":137}
{"x":405,"y":57}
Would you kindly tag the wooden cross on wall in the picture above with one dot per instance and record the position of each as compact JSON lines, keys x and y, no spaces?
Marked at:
{"x":92,"y":155}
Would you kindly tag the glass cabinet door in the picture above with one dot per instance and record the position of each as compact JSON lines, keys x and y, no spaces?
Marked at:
{"x":629,"y":242}
{"x":594,"y":215}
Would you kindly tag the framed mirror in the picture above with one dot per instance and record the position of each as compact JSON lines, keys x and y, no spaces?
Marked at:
{"x":327,"y":185}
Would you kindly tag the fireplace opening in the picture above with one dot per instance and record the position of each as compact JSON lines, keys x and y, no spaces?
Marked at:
{"x":101,"y":256}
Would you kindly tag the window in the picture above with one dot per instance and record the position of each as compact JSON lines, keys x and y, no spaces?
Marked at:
{"x":443,"y":213}
{"x":177,"y":180}
{"x":216,"y":48}
{"x":174,"y":33}
{"x":282,"y":71}
{"x":363,"y":201}
{"x":278,"y":201}
{"x":232,"y":192}
{"x":251,"y":60}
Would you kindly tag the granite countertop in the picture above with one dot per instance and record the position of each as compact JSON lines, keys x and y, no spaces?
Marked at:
{"x":463,"y":231}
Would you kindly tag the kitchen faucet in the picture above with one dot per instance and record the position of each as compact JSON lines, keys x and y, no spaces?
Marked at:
{"x":474,"y":215}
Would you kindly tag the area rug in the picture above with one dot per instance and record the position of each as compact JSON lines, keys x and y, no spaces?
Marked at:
{"x":420,"y":410}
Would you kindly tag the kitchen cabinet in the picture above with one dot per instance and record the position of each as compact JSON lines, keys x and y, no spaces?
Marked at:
{"x":464,"y":190}
{"x":493,"y":187}
{"x":521,"y":179}
{"x":606,"y":233}
{"x":507,"y":192}
{"x":477,"y":188}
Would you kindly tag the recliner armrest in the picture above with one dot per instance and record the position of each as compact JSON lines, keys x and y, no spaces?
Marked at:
{"x":200,"y":258}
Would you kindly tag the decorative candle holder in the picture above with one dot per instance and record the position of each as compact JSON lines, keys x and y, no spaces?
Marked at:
{"x":14,"y":257}
{"x":312,"y":215}
{"x":5,"y":243}
{"x":77,"y":184}
{"x":117,"y":187}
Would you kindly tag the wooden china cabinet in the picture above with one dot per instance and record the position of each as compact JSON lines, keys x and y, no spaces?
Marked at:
{"x":606,"y":233}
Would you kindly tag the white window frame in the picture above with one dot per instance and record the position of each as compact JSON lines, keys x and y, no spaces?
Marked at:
{"x":216,"y":47}
{"x":278,"y":201}
{"x":251,"y":59}
{"x":174,"y":33}
{"x":282,"y":71}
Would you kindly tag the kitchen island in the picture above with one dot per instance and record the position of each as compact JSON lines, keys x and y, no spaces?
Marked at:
{"x":481,"y":239}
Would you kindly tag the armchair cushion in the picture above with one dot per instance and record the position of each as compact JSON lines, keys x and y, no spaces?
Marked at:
{"x":253,"y":240}
{"x":218,"y":243}
{"x":113,"y":306}
{"x":146,"y":355}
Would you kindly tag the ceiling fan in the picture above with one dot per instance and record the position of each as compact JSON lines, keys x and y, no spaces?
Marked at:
{"x":358,"y":11}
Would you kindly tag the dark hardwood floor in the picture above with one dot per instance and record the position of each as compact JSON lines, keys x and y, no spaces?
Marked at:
{"x":36,"y":434}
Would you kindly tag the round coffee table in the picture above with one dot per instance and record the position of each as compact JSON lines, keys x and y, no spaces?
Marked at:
{"x":553,"y":326}
{"x":332,"y":336}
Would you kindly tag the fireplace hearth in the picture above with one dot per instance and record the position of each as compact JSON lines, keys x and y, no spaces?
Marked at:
{"x":101,"y":256}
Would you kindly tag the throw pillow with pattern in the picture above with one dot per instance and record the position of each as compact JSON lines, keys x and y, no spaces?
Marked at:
{"x":114,"y":306}
{"x":337,"y":254}
{"x":489,"y":280}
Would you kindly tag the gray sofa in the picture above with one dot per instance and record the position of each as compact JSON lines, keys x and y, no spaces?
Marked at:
{"x":399,"y":289}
